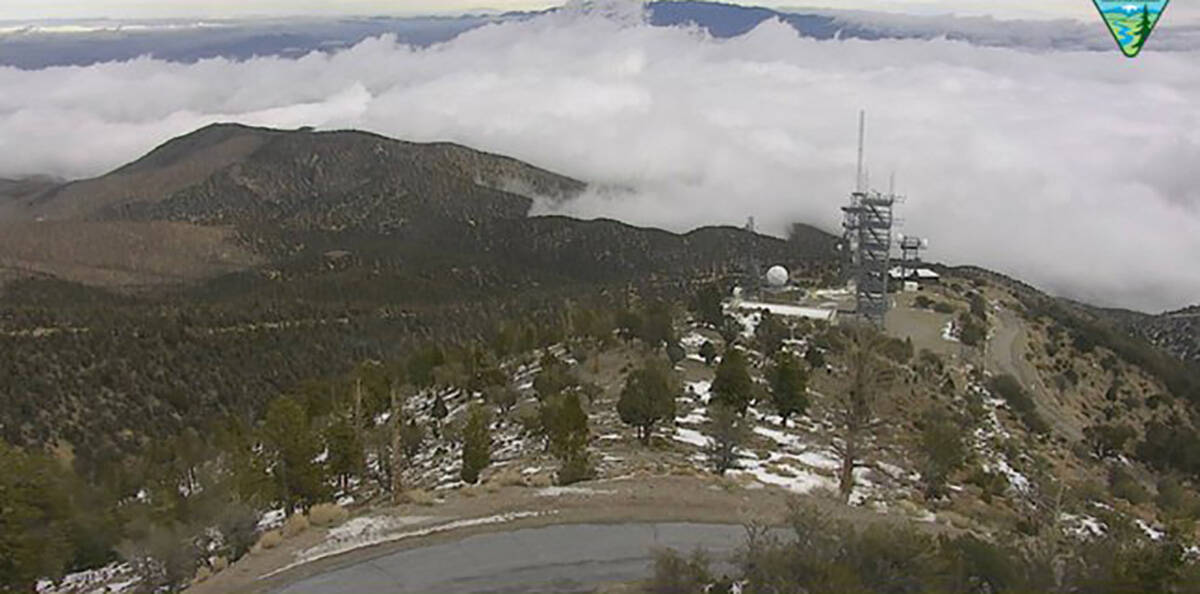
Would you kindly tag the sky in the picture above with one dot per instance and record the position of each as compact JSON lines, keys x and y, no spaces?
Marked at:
{"x":1071,"y":170}
{"x":37,"y":9}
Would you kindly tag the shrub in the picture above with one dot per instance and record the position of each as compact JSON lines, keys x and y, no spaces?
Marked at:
{"x":575,"y":468}
{"x":165,"y":557}
{"x":675,"y":353}
{"x":1171,"y":445}
{"x":675,"y":574}
{"x":943,"y":450}
{"x":1019,"y":401}
{"x":508,"y":476}
{"x":708,"y":352}
{"x":1124,"y":486}
{"x":419,"y":497}
{"x":971,"y":330}
{"x":202,"y":573}
{"x":930,"y":360}
{"x":295,"y":525}
{"x":238,"y":524}
{"x":327,"y":514}
{"x":269,"y":540}
{"x":814,"y":357}
{"x":1108,"y":440}
{"x":993,"y":484}
{"x":1177,"y":500}
{"x":900,"y":351}
{"x":503,"y":397}
{"x":412,"y":437}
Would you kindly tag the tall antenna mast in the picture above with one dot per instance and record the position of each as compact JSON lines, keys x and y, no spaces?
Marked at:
{"x":862,"y":131}
{"x":892,"y":183}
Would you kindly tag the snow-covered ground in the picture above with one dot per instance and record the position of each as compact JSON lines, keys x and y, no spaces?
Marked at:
{"x":692,"y":340}
{"x":1082,"y":525}
{"x":780,"y":309}
{"x":114,"y":577}
{"x":988,"y":438}
{"x":950,"y":331}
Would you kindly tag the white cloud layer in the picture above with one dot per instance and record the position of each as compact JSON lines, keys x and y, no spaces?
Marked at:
{"x":1075,"y":171}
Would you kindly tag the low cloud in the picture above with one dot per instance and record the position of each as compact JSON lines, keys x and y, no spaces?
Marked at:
{"x":1072,"y":170}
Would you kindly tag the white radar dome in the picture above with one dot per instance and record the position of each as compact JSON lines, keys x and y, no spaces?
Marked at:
{"x":777,"y":276}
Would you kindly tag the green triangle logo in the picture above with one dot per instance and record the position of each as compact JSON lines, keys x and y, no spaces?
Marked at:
{"x":1131,"y":21}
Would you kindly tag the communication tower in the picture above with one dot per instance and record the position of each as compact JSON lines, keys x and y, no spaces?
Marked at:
{"x":910,"y":254}
{"x":752,"y":271}
{"x":867,"y":241}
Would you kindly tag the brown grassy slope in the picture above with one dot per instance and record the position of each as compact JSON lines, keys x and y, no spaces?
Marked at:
{"x":122,"y":254}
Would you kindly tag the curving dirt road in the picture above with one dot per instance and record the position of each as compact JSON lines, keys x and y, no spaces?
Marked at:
{"x":1006,"y":354}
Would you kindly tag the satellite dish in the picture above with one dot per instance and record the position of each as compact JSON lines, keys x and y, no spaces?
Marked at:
{"x":777,"y":276}
{"x":924,"y":243}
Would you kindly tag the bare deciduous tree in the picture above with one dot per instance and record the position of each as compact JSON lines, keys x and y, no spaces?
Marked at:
{"x":854,"y":409}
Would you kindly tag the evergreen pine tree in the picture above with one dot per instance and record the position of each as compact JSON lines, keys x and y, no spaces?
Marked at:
{"x":708,"y":352}
{"x":943,"y":450}
{"x":789,"y":386}
{"x":648,"y":397}
{"x":477,"y":444}
{"x":706,"y":304}
{"x":675,"y":353}
{"x":33,"y":528}
{"x":566,"y":427}
{"x":290,"y":446}
{"x":770,"y":333}
{"x":657,"y":325}
{"x":727,"y":431}
{"x":732,"y":385}
{"x":347,"y":454}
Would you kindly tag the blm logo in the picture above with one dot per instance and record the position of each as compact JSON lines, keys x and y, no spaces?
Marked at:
{"x":1131,"y":21}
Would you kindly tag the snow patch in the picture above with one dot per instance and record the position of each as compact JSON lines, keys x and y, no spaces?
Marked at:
{"x":795,"y":311}
{"x":272,"y":519}
{"x":691,"y":437}
{"x":1082,"y":525}
{"x":114,"y":577}
{"x":693,"y":340}
{"x":1151,"y":532}
{"x":702,"y":389}
{"x":949,"y":332}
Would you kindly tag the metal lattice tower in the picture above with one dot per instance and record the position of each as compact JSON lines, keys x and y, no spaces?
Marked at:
{"x":910,"y":254}
{"x":867,"y":237}
{"x":752,"y":270}
{"x":869,"y":223}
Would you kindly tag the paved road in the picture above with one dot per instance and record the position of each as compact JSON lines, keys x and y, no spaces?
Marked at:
{"x":562,"y":558}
